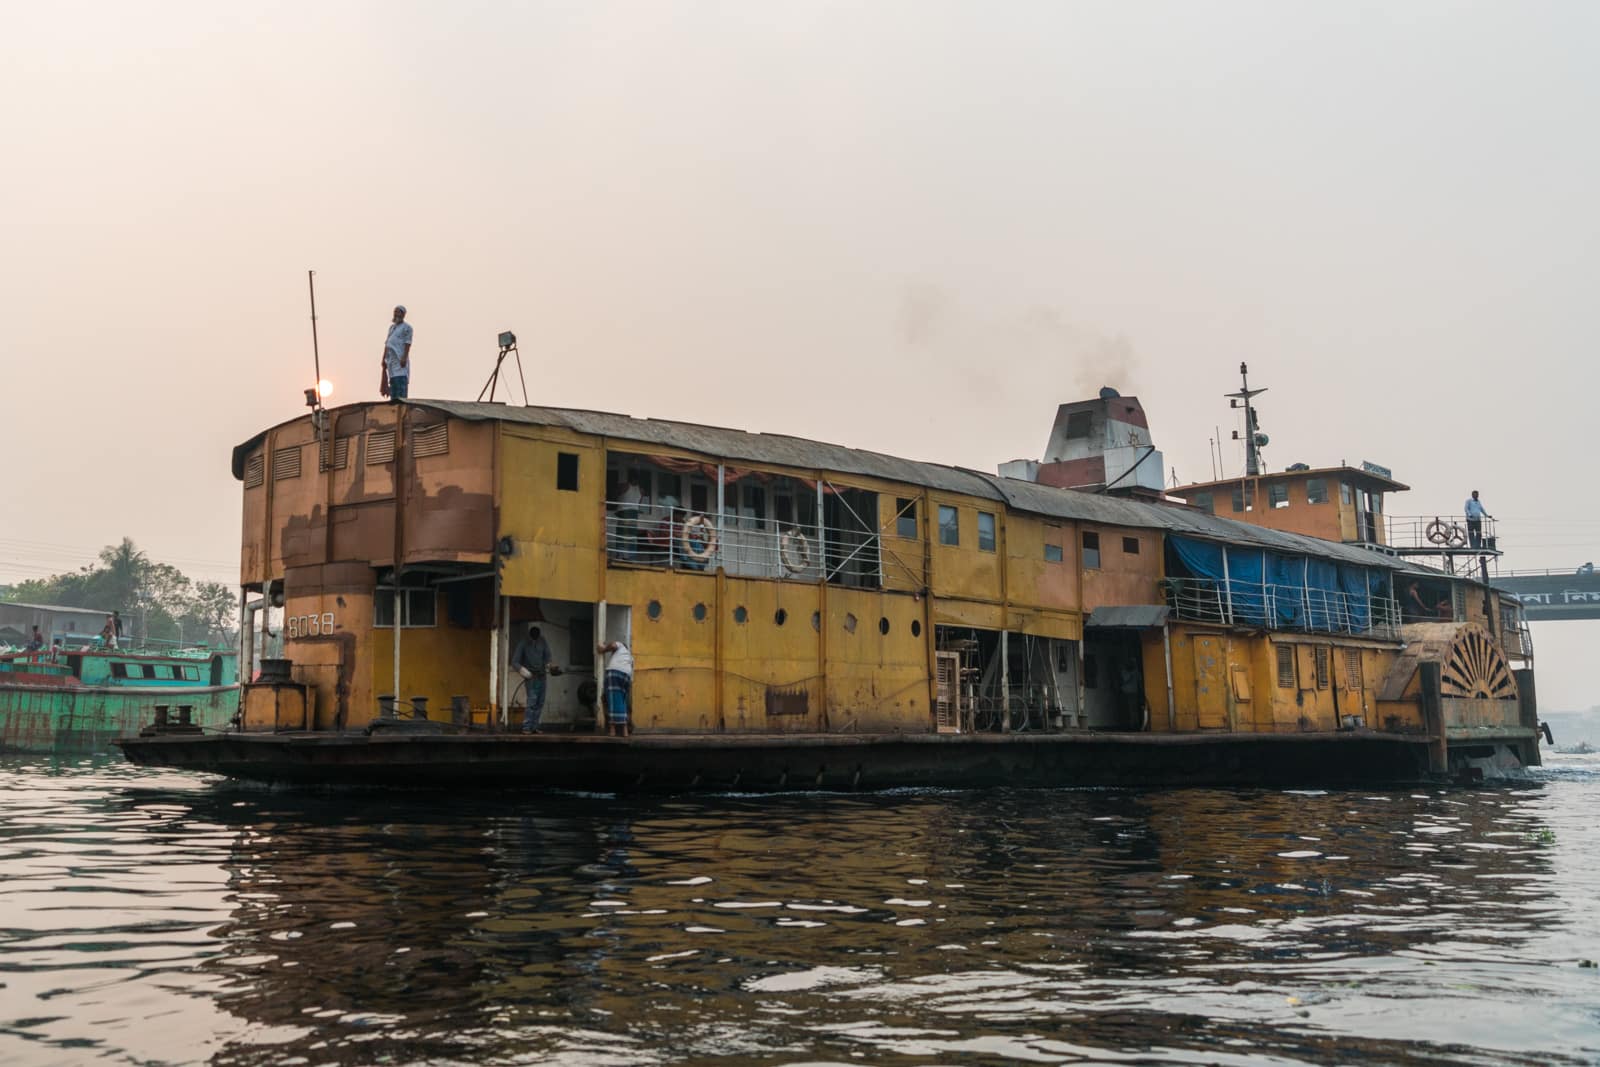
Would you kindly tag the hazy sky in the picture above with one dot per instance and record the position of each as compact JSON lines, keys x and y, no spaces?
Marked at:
{"x":909,"y":227}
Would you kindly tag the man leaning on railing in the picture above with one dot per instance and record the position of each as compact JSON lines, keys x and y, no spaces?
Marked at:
{"x":1476,"y":513}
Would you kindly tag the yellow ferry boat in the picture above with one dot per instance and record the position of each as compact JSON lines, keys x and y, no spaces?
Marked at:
{"x":803,"y":614}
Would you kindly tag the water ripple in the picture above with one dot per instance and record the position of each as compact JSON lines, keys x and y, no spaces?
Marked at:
{"x":148,"y":917}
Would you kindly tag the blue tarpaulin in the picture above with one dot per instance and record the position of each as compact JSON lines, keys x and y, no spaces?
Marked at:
{"x":1282,"y":591}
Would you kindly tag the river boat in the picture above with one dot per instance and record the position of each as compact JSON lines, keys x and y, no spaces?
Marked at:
{"x":81,"y":698}
{"x":809,"y":615}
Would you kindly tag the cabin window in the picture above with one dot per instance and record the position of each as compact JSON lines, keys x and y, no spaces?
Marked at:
{"x":1458,"y":602}
{"x":1316,"y":490}
{"x":949,"y":525}
{"x":905,"y":518}
{"x":191,"y":674}
{"x":1204,"y":501}
{"x":1130,"y":546}
{"x":1377,"y":503}
{"x":1285,"y":666}
{"x":1079,"y":423}
{"x":1320,"y":653}
{"x":417,"y":608}
{"x":135,"y":670}
{"x":1091,"y":551}
{"x":1347,"y":494}
{"x":985,"y":532}
{"x":1244,"y":497}
{"x":1052,"y":553}
{"x":783,"y":509}
{"x":119,"y":670}
{"x":753,"y":507}
{"x":699,"y":497}
{"x":567,"y":472}
{"x":1278,"y":495}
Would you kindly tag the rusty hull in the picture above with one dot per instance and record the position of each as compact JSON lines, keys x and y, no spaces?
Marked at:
{"x":721,"y":762}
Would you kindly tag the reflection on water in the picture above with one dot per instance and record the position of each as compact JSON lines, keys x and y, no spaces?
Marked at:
{"x":149,"y":917}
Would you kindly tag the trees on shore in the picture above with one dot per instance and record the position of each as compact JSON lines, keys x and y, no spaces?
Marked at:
{"x":158,"y":602}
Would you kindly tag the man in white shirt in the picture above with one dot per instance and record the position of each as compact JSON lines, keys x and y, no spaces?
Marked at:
{"x":396,"y":380}
{"x":619,"y":686}
{"x":1475,"y":515}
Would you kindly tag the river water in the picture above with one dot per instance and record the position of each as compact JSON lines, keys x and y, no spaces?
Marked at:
{"x":149,"y":917}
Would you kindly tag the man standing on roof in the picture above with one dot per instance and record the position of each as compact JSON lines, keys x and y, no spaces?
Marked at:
{"x":1475,"y":515}
{"x":396,"y":380}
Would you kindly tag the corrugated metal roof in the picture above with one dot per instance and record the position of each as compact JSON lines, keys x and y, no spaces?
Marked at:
{"x":1127,"y":616}
{"x":781,"y":450}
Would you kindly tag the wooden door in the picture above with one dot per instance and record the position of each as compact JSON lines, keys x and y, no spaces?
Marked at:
{"x":1211,"y":682}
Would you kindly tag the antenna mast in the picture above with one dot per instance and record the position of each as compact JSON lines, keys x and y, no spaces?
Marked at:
{"x":1254,"y":439}
{"x":316,"y":355}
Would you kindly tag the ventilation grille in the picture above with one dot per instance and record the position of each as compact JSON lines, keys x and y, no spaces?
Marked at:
{"x":341,"y":454}
{"x":380,"y":446}
{"x":1352,"y":669}
{"x":1285,"y":666}
{"x":1323,"y":666}
{"x":285,"y":463}
{"x":255,"y":471}
{"x":431,"y":440}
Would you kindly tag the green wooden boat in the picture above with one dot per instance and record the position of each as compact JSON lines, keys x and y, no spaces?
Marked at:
{"x":81,"y":699}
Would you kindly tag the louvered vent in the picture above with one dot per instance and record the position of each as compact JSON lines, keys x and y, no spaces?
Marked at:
{"x":1352,"y":669}
{"x":255,"y":471}
{"x":1285,"y":666}
{"x":285,"y":463}
{"x":431,"y":440}
{"x":341,"y":454}
{"x":380,"y":446}
{"x":1322,"y":656}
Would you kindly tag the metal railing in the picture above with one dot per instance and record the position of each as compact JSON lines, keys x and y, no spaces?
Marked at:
{"x":1442,"y":533}
{"x":743,"y":546}
{"x":1286,"y":608}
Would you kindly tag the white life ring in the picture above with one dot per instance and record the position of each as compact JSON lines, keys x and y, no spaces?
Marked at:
{"x":1438,"y":531}
{"x":794,"y":550}
{"x":698,"y":538}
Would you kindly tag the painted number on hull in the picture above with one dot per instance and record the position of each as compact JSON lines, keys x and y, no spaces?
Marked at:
{"x":308,"y":625}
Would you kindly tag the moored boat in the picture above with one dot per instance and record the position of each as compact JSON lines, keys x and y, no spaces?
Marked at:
{"x":82,"y":698}
{"x":802,"y":614}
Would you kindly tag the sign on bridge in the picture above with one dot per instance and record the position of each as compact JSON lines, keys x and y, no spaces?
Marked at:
{"x":1546,"y":597}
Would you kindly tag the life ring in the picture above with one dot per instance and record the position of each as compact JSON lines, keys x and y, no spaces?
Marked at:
{"x":794,"y":550}
{"x":1458,"y":536}
{"x":1439,"y":531}
{"x":698,"y":538}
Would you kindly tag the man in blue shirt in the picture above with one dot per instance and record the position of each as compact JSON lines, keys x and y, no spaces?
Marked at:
{"x":397,"y":357}
{"x":1475,"y":515}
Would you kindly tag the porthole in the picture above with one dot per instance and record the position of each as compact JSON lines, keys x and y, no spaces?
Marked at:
{"x":916,"y":628}
{"x":883,"y":626}
{"x":699,"y":613}
{"x":780,"y":616}
{"x":816,"y":621}
{"x":739,"y":614}
{"x":849,"y":624}
{"x":653,"y":610}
